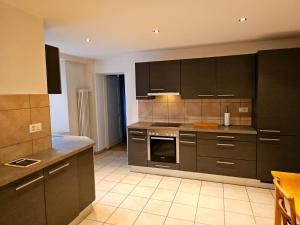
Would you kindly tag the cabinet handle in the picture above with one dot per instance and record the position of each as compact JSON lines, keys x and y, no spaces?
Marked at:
{"x":138,"y":139}
{"x":225,"y":163}
{"x":28,"y":183}
{"x":59,"y":168}
{"x":162,"y":166}
{"x":190,"y":135}
{"x":206,"y":95}
{"x":227,"y":95}
{"x":269,"y":139}
{"x":136,"y":132}
{"x":187,"y":142}
{"x":162,"y":138}
{"x":157,"y":89}
{"x":227,"y":137}
{"x":270,"y":131}
{"x":227,"y":145}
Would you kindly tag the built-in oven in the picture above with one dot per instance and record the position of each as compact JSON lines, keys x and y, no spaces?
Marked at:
{"x":163,"y":146}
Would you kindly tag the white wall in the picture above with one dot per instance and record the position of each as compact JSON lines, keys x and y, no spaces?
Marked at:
{"x":124,"y":64}
{"x":59,"y":106}
{"x":22,"y":53}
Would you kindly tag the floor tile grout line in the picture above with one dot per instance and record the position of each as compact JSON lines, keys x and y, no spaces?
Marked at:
{"x":197,"y":203}
{"x":251,"y":207}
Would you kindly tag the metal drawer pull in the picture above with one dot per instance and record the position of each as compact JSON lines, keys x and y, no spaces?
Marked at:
{"x":206,"y":95}
{"x":162,"y":138}
{"x":157,"y":89}
{"x":270,"y":131}
{"x":187,"y":142}
{"x":136,"y":132}
{"x":228,"y":95}
{"x":225,"y":163}
{"x":269,"y":139}
{"x":59,"y":168}
{"x":228,"y":137}
{"x":229,"y":145}
{"x":190,"y":135}
{"x":28,"y":183}
{"x":162,"y":166}
{"x":138,"y":139}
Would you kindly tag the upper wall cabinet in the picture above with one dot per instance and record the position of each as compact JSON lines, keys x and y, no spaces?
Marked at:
{"x":53,"y":70}
{"x":142,"y":73}
{"x":198,"y":78}
{"x":235,"y":76}
{"x":165,"y":76}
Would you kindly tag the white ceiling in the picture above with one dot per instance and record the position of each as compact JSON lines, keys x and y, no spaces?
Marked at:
{"x":118,"y":26}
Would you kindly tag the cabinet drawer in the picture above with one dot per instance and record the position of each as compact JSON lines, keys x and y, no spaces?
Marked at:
{"x":187,"y":134}
{"x":227,"y":136}
{"x":227,"y":149}
{"x":139,"y":132}
{"x":227,"y":167}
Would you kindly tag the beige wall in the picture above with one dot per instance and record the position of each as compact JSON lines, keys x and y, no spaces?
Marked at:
{"x":22,"y":54}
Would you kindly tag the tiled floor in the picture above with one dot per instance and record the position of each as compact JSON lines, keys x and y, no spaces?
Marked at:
{"x":125,"y":197}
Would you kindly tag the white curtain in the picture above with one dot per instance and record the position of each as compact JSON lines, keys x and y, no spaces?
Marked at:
{"x":83,"y":112}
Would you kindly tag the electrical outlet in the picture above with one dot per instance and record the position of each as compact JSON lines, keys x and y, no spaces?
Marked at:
{"x":35,"y":127}
{"x":243,"y":109}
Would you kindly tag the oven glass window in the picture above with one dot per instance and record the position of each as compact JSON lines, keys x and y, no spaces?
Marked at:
{"x":163,"y":149}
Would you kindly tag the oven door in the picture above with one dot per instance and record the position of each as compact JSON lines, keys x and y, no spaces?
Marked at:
{"x":163,"y":149}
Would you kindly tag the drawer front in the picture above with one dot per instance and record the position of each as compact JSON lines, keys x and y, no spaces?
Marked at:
{"x":227,"y":137}
{"x":226,"y":149}
{"x":138,"y":132}
{"x":162,"y":165}
{"x":227,"y":167}
{"x":187,"y":134}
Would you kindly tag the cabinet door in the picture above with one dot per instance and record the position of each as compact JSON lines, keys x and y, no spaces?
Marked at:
{"x":86,"y":178}
{"x":137,"y":150}
{"x":61,"y":192}
{"x":188,"y":154}
{"x":165,"y":76}
{"x":277,"y":153}
{"x":53,"y":70}
{"x":142,"y":80}
{"x":278,"y":105}
{"x":198,"y":78}
{"x":23,"y":202}
{"x":236,"y":76}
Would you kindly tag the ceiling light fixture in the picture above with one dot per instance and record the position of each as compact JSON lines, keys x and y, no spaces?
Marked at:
{"x":156,"y":31}
{"x":243,"y":19}
{"x":88,"y":40}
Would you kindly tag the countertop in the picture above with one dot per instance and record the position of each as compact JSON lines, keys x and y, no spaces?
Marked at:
{"x":62,"y":148}
{"x":189,"y":127}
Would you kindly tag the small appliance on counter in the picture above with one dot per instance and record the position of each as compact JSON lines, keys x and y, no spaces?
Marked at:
{"x":226,"y":117}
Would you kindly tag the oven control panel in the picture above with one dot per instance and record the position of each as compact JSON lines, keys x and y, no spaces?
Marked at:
{"x":159,"y":132}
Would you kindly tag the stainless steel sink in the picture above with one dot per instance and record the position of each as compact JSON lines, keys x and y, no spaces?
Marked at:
{"x":23,"y":162}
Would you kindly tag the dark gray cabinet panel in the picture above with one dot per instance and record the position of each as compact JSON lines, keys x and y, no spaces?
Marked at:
{"x":53,"y":69}
{"x":198,"y":78}
{"x":23,"y":203}
{"x":188,"y":154}
{"x":61,"y":192}
{"x":278,"y":105}
{"x":227,"y":136}
{"x":86,"y":178}
{"x":142,"y":73}
{"x":165,"y":76}
{"x":236,"y":76}
{"x":137,"y":147}
{"x":277,"y":153}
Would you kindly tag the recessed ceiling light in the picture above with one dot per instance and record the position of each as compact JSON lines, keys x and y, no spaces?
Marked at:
{"x":243,"y":19}
{"x":88,"y":40}
{"x":156,"y":31}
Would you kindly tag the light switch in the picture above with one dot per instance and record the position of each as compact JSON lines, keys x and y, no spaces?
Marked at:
{"x":35,"y":127}
{"x":243,"y":109}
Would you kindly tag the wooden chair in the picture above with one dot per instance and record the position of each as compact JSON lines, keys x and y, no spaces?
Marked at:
{"x":288,"y":217}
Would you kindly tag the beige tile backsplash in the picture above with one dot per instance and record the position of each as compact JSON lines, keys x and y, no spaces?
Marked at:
{"x":175,"y":109}
{"x":17,"y":112}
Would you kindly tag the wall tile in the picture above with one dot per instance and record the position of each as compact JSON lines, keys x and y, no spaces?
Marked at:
{"x":160,"y":120}
{"x":41,"y":115}
{"x":145,"y":119}
{"x":160,"y":99}
{"x":160,"y":110}
{"x":193,"y":100}
{"x":232,"y":100}
{"x":15,"y":151}
{"x":39,"y":100}
{"x":172,"y":120}
{"x":210,"y":110}
{"x":212,"y":100}
{"x":193,"y":110}
{"x":174,"y":98}
{"x":14,"y":127}
{"x":176,"y":110}
{"x":145,"y":109}
{"x":8,"y":102}
{"x":42,"y":144}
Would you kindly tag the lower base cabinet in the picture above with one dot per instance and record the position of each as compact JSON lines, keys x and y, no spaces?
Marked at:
{"x":22,"y":203}
{"x":188,"y":154}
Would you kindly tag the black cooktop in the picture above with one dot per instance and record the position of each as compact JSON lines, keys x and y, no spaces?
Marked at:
{"x":165,"y":124}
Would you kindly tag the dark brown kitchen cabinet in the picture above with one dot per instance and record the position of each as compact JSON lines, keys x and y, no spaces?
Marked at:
{"x":188,"y":151}
{"x":277,"y":153}
{"x":22,"y":202}
{"x":137,"y":147}
{"x":61,"y":192}
{"x":278,"y":105}
{"x":86,"y":179}
{"x":53,"y":69}
{"x":165,"y":76}
{"x":198,"y":78}
{"x":142,"y":73}
{"x":235,"y":76}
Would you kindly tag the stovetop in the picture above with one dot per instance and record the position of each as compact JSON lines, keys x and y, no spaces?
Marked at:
{"x":165,"y":124}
